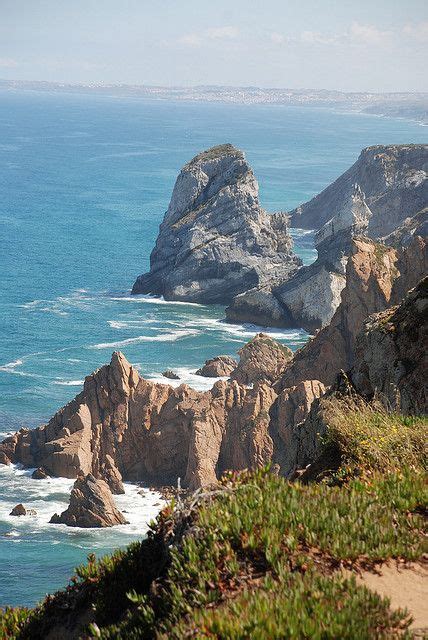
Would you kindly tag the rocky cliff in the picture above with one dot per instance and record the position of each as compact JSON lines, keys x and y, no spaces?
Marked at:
{"x":122,"y":426}
{"x":376,"y":278}
{"x":382,"y":195}
{"x":387,"y":184}
{"x":391,"y":357}
{"x":215,"y":240}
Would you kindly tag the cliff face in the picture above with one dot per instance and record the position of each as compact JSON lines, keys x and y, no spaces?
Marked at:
{"x":385,"y":185}
{"x":215,"y":240}
{"x":376,"y":277}
{"x":380,"y":196}
{"x":391,"y":357}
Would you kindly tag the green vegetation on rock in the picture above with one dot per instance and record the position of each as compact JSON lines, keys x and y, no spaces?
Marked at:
{"x":259,"y":556}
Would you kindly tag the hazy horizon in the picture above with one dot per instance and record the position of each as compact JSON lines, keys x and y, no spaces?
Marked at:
{"x":369,"y":47}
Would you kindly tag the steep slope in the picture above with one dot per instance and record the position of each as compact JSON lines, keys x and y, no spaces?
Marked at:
{"x":382,"y":195}
{"x":387,"y":184}
{"x":215,"y":240}
{"x":376,"y":278}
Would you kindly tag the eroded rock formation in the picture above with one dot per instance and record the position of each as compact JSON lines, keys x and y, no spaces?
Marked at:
{"x":218,"y":367}
{"x":91,"y":505}
{"x":382,"y":196}
{"x":373,"y":283}
{"x":262,"y":358}
{"x":215,"y":240}
{"x":391,"y":357}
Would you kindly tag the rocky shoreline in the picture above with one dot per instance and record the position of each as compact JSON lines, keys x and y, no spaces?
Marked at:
{"x":217,"y":244}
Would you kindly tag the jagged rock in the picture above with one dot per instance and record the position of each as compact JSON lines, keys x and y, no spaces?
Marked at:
{"x":19,"y":510}
{"x":261,"y":359}
{"x":215,"y":240}
{"x":171,"y":375}
{"x":391,"y":358}
{"x":386,"y":185}
{"x":290,"y":411}
{"x":259,"y":306}
{"x":380,"y":195}
{"x":39,"y":474}
{"x":310,"y":299}
{"x":373,"y":283}
{"x":4,"y":459}
{"x":411,"y":227}
{"x":91,"y":505}
{"x":220,"y":366}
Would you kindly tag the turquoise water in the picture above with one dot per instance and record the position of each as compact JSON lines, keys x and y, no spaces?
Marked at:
{"x":84,"y":182}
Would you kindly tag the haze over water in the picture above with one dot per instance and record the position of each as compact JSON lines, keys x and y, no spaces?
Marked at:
{"x":84,"y":184}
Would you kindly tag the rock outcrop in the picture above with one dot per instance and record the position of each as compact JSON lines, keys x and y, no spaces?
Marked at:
{"x":122,"y":426}
{"x":215,"y":240}
{"x":373,"y":283}
{"x":382,"y":196}
{"x":218,"y":367}
{"x":18,"y":510}
{"x":391,"y":355}
{"x":386,"y":185}
{"x":39,"y":474}
{"x":91,"y":505}
{"x":261,"y":359}
{"x":171,"y":375}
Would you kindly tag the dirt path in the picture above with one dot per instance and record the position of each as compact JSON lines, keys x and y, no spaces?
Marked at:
{"x":405,"y":585}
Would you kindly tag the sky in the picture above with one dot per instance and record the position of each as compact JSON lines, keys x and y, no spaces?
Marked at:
{"x":349,"y":45}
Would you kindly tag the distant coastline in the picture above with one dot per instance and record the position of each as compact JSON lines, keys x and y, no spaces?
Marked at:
{"x":408,"y":106}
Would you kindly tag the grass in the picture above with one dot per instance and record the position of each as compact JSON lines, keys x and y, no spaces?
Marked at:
{"x":368,"y":438}
{"x":261,"y":557}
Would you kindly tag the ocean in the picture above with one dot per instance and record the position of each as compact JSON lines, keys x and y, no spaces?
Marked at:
{"x":84,"y":183}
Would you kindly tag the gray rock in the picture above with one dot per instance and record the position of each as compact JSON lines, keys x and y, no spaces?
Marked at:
{"x":215,"y":240}
{"x":387,"y":184}
{"x":170,"y":374}
{"x":380,"y":195}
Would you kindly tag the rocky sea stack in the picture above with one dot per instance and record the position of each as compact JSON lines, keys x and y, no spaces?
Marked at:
{"x":215,"y":240}
{"x":91,"y":505}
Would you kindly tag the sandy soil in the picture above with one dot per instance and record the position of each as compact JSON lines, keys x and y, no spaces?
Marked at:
{"x":406,"y":585}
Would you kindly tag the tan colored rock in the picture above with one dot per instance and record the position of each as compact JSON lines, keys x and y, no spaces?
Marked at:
{"x":291,"y":410}
{"x":262,"y":358}
{"x":370,"y":275}
{"x":4,"y":459}
{"x":218,"y":367}
{"x":91,"y":505}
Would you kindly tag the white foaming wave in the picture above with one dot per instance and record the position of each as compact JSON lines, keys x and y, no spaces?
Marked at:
{"x":246,"y":330}
{"x":186,"y":375}
{"x":69,"y":383}
{"x":154,"y":300}
{"x":166,"y":337}
{"x":11,"y":365}
{"x":52,"y":495}
{"x":130,"y":324}
{"x":296,"y":231}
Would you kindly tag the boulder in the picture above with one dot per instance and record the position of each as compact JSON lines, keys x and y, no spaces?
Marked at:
{"x":171,"y":375}
{"x":19,"y":510}
{"x":261,"y":359}
{"x":218,"y":367}
{"x":39,"y":474}
{"x":91,"y":505}
{"x":215,"y":240}
{"x":258,"y":306}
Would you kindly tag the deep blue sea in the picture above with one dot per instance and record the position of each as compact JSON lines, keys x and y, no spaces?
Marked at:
{"x":84,"y":183}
